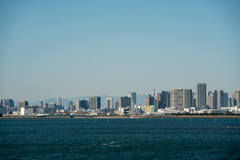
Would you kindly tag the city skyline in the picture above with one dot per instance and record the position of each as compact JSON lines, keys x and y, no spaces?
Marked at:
{"x":66,"y":49}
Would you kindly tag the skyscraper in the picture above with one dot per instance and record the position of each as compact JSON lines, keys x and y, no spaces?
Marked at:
{"x":163,"y":99}
{"x":225,"y":99}
{"x":133,"y":96}
{"x":124,"y":102}
{"x":201,"y":95}
{"x":236,"y":98}
{"x":116,"y":105}
{"x":41,"y":104}
{"x":45,"y":105}
{"x":211,"y":100}
{"x":8,"y":102}
{"x":52,"y":105}
{"x":187,"y":98}
{"x":59,"y":101}
{"x":22,"y":104}
{"x":177,"y":98}
{"x":229,"y":102}
{"x":220,"y":99}
{"x":94,"y":103}
{"x":150,"y":100}
{"x":193,"y":99}
{"x":81,"y":104}
{"x":109,"y":103}
{"x":1,"y":102}
{"x":69,"y":103}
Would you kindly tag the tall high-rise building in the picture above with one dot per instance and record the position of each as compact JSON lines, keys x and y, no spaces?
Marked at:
{"x":22,"y":104}
{"x":187,"y":98}
{"x":211,"y":100}
{"x":81,"y":104}
{"x":72,"y":108}
{"x":201,"y":95}
{"x":177,"y":98}
{"x":163,"y":99}
{"x":109,"y":103}
{"x":193,"y":99}
{"x":124,"y":102}
{"x":45,"y":105}
{"x":220,"y":99}
{"x":52,"y":105}
{"x":150,"y":100}
{"x":236,"y":98}
{"x":59,"y":101}
{"x":229,"y":102}
{"x":69,"y":103}
{"x":41,"y":104}
{"x":225,"y":99}
{"x":133,"y":96}
{"x":1,"y":102}
{"x":94,"y":103}
{"x":116,"y":105}
{"x":8,"y":102}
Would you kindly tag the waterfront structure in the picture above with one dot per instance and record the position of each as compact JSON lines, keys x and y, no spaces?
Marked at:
{"x":94,"y":103}
{"x":150,"y":100}
{"x":9,"y":103}
{"x":201,"y":95}
{"x":109,"y":103}
{"x":81,"y":104}
{"x":229,"y":102}
{"x":148,"y":109}
{"x":45,"y":105}
{"x":69,"y":103}
{"x":22,"y":104}
{"x":124,"y":102}
{"x":187,"y":98}
{"x":236,"y":98}
{"x":59,"y":101}
{"x":225,"y":99}
{"x":116,"y":105}
{"x":41,"y":104}
{"x":177,"y":98}
{"x":211,"y":100}
{"x":133,"y":96}
{"x":220,"y":99}
{"x":52,"y":105}
{"x":163,"y":99}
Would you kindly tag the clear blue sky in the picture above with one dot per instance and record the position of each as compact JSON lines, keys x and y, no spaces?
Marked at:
{"x":75,"y":48}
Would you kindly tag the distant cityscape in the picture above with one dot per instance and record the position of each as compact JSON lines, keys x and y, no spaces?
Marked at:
{"x":164,"y":103}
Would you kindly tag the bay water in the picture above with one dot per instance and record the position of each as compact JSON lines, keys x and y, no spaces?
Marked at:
{"x":166,"y":138}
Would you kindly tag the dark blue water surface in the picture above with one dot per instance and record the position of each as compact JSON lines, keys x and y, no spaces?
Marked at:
{"x":167,"y":138}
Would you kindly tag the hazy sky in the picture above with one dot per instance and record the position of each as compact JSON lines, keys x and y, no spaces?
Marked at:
{"x":75,"y":48}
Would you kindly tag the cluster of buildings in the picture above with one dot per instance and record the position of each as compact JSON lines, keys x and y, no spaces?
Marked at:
{"x":166,"y":102}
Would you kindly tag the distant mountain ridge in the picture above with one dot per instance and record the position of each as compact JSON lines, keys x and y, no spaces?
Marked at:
{"x":140,"y":100}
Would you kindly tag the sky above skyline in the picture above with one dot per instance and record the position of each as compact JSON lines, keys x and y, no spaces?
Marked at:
{"x":51,"y":49}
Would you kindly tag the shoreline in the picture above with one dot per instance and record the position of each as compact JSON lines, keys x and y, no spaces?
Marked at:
{"x":127,"y":117}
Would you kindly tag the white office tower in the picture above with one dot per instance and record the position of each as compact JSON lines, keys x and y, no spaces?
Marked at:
{"x":177,"y":98}
{"x":211,"y":100}
{"x":109,"y":103}
{"x":59,"y":101}
{"x":133,"y":96}
{"x":187,"y":98}
{"x":201,"y":95}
